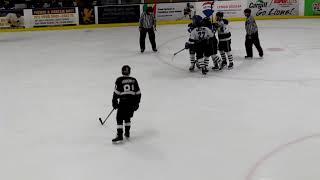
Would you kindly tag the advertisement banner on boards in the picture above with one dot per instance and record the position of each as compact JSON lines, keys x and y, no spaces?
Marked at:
{"x":118,"y":14}
{"x":175,"y":11}
{"x":11,"y":19}
{"x":230,"y":9}
{"x":312,"y":8}
{"x":54,"y":17}
{"x":274,"y":7}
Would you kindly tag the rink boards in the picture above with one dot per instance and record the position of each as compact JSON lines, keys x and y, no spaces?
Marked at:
{"x":112,"y":25}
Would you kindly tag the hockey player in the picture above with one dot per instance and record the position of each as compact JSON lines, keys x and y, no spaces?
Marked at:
{"x":192,"y":51}
{"x":126,"y":99}
{"x":199,"y":40}
{"x":224,"y":36}
{"x":213,"y":43}
{"x":252,"y":36}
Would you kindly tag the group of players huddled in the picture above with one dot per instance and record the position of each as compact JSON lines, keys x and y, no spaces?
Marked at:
{"x":203,"y":43}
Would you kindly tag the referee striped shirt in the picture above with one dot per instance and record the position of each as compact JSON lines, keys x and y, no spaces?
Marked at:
{"x":251,"y":25}
{"x":147,"y":20}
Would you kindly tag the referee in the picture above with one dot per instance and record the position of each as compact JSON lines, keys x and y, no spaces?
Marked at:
{"x":252,"y":36}
{"x":147,"y":25}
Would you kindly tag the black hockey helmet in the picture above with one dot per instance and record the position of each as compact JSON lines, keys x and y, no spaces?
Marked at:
{"x":150,"y":9}
{"x":206,"y":22}
{"x":126,"y":70}
{"x":219,"y":14}
{"x":197,"y":20}
{"x":206,"y":19}
{"x":247,"y":11}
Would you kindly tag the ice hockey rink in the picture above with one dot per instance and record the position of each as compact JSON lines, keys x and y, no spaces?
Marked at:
{"x":259,"y":121}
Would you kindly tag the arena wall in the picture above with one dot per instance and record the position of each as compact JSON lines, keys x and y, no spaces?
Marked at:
{"x":167,"y":13}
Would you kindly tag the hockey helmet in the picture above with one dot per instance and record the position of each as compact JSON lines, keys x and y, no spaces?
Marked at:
{"x":197,"y":20}
{"x":126,"y":70}
{"x":247,"y":11}
{"x":206,"y":19}
{"x":149,"y":9}
{"x":219,"y":14}
{"x":206,"y":22}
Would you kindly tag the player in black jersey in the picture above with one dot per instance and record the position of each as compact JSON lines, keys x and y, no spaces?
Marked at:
{"x":126,"y":99}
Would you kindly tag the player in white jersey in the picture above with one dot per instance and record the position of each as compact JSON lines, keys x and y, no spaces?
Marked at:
{"x":199,"y":39}
{"x":224,"y":36}
{"x":192,"y":51}
{"x":213,"y":43}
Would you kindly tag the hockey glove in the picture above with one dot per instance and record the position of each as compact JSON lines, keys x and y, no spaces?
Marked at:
{"x":187,"y":45}
{"x":136,"y":107}
{"x":215,"y":25}
{"x":115,"y":105}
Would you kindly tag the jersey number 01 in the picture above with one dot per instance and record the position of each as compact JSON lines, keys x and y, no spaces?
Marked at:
{"x":127,"y":87}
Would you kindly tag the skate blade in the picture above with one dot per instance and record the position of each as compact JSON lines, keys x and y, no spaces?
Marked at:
{"x":204,"y":74}
{"x":118,"y":142}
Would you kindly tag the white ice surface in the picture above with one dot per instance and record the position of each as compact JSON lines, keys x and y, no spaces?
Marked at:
{"x":55,"y":85}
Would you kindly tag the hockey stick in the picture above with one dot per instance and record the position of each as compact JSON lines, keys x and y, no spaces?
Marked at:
{"x":212,"y":12}
{"x":102,"y":122}
{"x":211,"y":7}
{"x":178,"y":52}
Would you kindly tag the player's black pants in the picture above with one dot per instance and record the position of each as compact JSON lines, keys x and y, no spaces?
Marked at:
{"x":203,"y":49}
{"x":213,"y":43}
{"x":124,"y":113}
{"x":152,"y":38}
{"x":250,"y":40}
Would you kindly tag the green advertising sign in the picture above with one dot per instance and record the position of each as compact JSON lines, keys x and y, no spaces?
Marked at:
{"x":312,"y":8}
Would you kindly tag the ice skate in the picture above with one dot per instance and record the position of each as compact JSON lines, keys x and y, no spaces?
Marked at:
{"x":118,"y":139}
{"x":230,"y":66}
{"x":191,"y":68}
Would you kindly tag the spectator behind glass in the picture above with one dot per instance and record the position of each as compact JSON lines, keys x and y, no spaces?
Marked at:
{"x":68,"y":3}
{"x":8,"y":4}
{"x":1,"y":4}
{"x":37,"y":4}
{"x":54,"y":4}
